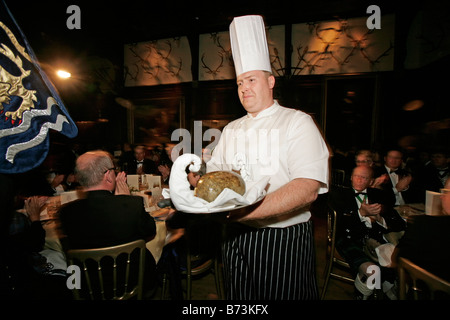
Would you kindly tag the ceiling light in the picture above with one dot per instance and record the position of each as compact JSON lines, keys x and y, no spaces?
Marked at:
{"x":63,"y":74}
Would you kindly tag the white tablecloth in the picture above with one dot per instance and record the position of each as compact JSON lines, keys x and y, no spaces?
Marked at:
{"x":156,"y":245}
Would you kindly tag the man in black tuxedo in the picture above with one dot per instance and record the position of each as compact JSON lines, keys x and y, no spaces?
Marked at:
{"x":141,"y":164}
{"x":398,"y":181}
{"x":108,"y":215}
{"x":365,"y":217}
{"x":434,"y":174}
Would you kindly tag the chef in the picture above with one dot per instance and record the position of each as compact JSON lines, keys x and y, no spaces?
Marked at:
{"x":268,"y":252}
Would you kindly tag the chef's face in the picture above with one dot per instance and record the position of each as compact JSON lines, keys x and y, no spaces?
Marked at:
{"x":255,"y":90}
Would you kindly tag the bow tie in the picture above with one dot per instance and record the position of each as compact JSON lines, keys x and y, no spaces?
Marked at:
{"x":393,"y":171}
{"x":442,"y":175}
{"x":362,"y":193}
{"x":141,"y":162}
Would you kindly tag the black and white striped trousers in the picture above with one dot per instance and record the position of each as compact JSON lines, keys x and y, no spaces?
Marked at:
{"x":270,"y":263}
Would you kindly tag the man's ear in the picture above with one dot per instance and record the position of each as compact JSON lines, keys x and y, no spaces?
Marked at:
{"x":271,"y":81}
{"x":108,"y":177}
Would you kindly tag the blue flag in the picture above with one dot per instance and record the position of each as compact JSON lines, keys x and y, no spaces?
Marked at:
{"x":29,"y":103}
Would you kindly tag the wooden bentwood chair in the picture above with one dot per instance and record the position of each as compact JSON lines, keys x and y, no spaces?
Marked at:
{"x":412,"y":276}
{"x":334,"y":260}
{"x":107,"y":274}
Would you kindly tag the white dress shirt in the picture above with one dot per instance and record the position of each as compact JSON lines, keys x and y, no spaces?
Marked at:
{"x":398,"y":195}
{"x":279,"y":142}
{"x":365,"y":219}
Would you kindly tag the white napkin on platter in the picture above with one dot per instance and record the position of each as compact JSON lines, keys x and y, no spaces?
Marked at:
{"x":184,"y":199}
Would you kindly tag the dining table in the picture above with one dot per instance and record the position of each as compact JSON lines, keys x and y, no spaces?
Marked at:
{"x":410,"y":209}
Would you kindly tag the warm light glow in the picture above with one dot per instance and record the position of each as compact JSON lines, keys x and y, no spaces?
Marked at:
{"x":413,"y":105}
{"x":63,"y":74}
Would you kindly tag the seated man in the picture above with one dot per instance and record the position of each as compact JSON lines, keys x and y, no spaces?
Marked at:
{"x":365,"y":158}
{"x":30,"y":273}
{"x":426,"y":239}
{"x":103,"y":219}
{"x":397,"y":180}
{"x":365,"y":217}
{"x":434,"y":174}
{"x":141,"y":164}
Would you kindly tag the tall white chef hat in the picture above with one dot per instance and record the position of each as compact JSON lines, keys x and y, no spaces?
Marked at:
{"x":249,"y":44}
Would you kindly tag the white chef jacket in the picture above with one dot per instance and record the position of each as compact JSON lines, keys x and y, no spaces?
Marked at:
{"x":279,"y":142}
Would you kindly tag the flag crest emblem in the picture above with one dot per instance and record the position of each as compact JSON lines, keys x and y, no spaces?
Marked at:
{"x":29,"y":103}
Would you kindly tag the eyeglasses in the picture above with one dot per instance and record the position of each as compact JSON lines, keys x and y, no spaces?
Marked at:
{"x":361,"y":177}
{"x":109,"y":169}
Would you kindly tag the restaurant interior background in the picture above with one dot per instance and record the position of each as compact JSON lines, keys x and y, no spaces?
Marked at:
{"x":143,"y":69}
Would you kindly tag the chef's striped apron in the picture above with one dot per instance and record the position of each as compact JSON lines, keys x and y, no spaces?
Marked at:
{"x":270,"y":263}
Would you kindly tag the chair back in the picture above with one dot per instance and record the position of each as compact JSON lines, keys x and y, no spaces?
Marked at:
{"x":337,"y":177}
{"x":410,"y":273}
{"x":333,"y":257}
{"x":110,"y":273}
{"x":331,"y":232}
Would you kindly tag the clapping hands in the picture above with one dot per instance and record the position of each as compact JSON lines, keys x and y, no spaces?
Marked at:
{"x":121,"y":184}
{"x":403,"y":183}
{"x":378,"y":182}
{"x":33,"y":206}
{"x":371,"y":210}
